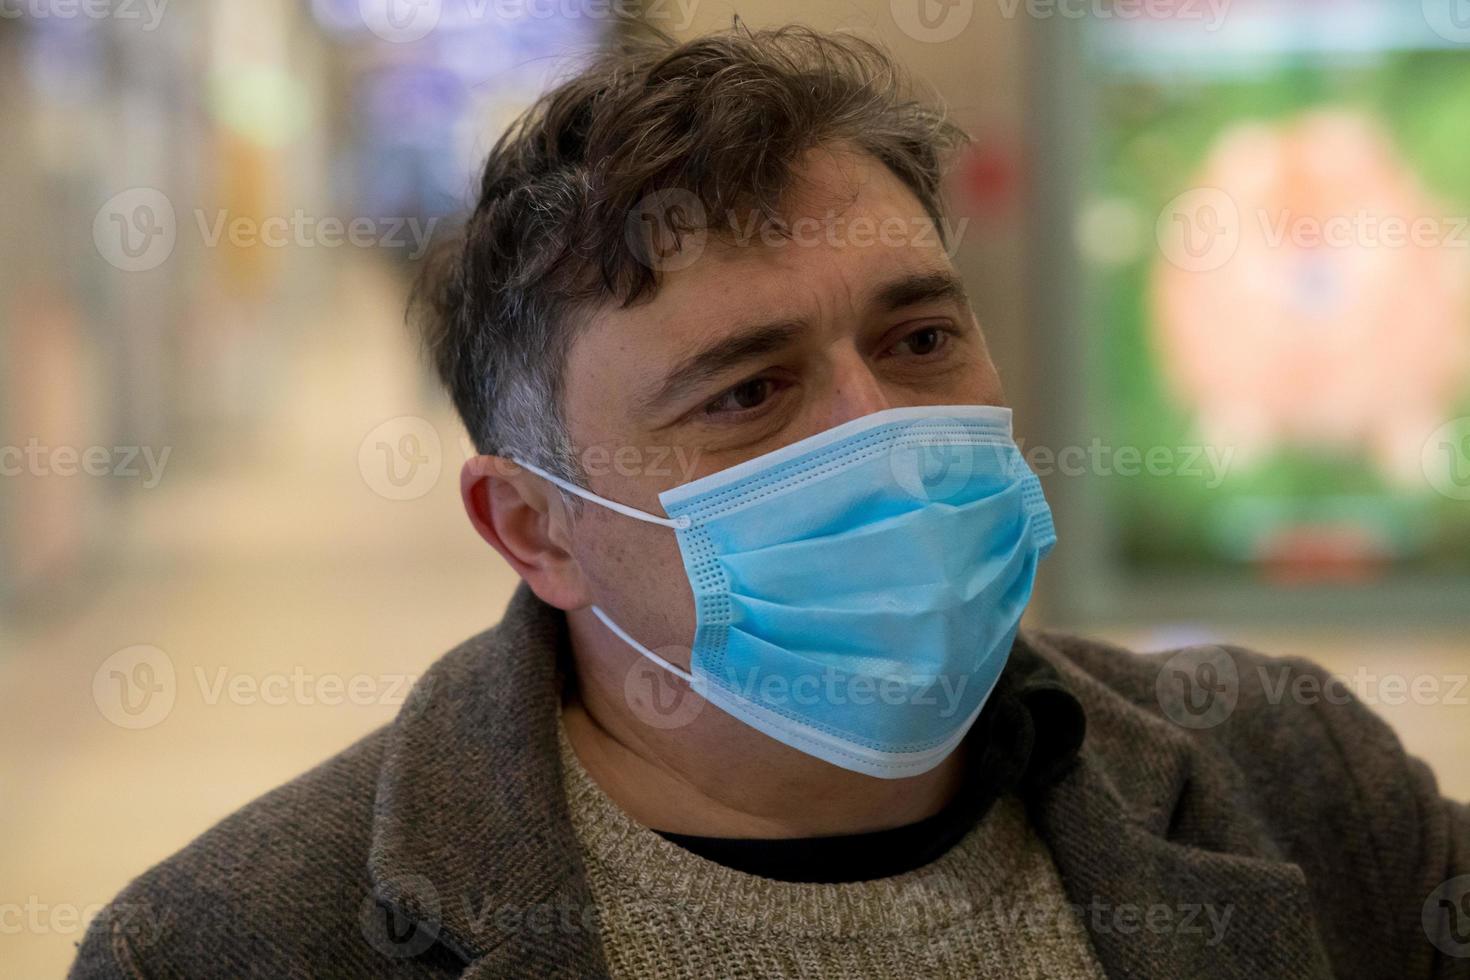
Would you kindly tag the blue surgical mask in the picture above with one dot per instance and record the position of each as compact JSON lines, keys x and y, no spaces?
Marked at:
{"x":857,"y":592}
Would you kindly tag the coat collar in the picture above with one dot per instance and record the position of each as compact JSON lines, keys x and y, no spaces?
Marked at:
{"x":1137,"y":826}
{"x":472,"y":839}
{"x":473,"y":842}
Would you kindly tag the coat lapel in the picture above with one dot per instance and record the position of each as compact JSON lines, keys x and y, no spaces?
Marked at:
{"x":1163,"y":894}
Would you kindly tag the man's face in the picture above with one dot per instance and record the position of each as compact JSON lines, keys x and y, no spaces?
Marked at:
{"x":750,"y":348}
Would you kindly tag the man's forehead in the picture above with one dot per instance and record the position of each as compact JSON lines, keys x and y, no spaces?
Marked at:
{"x":855,"y":240}
{"x":846,"y":217}
{"x":836,"y":186}
{"x":757,"y":284}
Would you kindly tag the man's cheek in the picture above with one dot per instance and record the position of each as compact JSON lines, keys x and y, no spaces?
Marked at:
{"x":637,"y":574}
{"x":982,"y":385}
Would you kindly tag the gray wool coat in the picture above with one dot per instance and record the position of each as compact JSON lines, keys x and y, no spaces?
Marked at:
{"x":440,"y":845}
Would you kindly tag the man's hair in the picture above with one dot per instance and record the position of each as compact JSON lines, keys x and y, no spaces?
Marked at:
{"x":724,"y":118}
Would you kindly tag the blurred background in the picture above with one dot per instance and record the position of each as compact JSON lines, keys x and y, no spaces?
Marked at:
{"x":1221,"y":251}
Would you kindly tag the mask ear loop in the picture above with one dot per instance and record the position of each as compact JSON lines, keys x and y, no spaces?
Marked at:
{"x":678,"y":523}
{"x":626,"y":638}
{"x":674,"y":522}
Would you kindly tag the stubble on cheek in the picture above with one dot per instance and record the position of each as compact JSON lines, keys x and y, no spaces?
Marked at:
{"x":637,"y":575}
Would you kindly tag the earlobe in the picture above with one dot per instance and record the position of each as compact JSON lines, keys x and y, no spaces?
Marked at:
{"x":511,"y":512}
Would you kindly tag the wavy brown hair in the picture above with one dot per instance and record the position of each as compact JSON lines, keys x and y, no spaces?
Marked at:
{"x":724,"y":117}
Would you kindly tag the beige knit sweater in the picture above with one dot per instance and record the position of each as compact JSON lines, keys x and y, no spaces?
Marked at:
{"x":993,"y":906}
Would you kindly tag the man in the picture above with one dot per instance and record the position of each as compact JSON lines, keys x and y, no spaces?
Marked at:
{"x":760,"y":706}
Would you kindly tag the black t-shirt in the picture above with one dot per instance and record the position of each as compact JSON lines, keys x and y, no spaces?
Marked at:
{"x":1025,"y":738}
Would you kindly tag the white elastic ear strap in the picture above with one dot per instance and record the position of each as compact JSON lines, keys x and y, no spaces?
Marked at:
{"x":585,"y":494}
{"x":623,"y":635}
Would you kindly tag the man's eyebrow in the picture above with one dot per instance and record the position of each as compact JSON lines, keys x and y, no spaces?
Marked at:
{"x":924,"y":287}
{"x":717,"y":358}
{"x":759,"y":340}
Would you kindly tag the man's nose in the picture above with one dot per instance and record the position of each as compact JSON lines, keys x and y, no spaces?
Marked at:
{"x":856,"y":392}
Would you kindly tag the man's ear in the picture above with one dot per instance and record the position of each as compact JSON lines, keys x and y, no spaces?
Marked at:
{"x":524,"y":519}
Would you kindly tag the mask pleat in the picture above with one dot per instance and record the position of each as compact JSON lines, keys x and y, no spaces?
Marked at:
{"x":911,"y":548}
{"x":897,"y":630}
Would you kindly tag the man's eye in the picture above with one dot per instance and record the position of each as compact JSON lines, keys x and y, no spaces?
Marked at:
{"x":743,"y":397}
{"x":922,"y":343}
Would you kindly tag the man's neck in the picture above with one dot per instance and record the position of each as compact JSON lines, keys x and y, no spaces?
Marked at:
{"x":713,"y":775}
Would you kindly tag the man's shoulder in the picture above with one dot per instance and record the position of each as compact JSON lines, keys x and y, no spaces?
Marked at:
{"x":285,"y":881}
{"x":283,"y":877}
{"x":1228,"y":697}
{"x":1217,"y":691}
{"x":313,"y":877}
{"x":1279,"y":737}
{"x":1232,"y":752}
